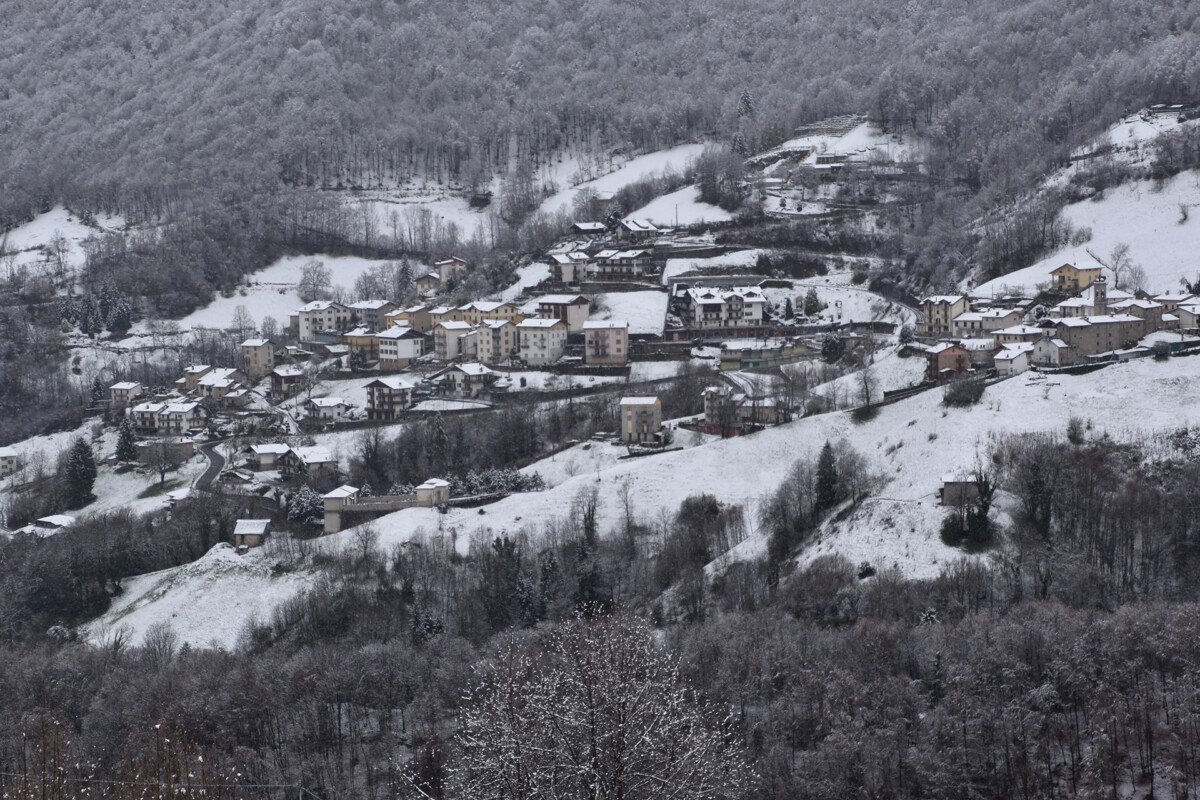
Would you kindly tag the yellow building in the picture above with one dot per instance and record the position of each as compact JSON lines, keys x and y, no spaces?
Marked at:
{"x":1070,"y":278}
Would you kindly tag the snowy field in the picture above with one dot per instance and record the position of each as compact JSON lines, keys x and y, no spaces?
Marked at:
{"x":271,"y":292}
{"x":741,"y":260}
{"x":676,"y":158}
{"x":910,"y":445}
{"x":29,"y":241}
{"x":1132,"y":134}
{"x":681,"y":208}
{"x":843,"y":302}
{"x":646,"y":312}
{"x":527,"y":276}
{"x":865,"y":142}
{"x":1138,"y":214}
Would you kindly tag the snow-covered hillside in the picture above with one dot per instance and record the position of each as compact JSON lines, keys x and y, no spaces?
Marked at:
{"x":682,"y":207}
{"x":676,"y":159}
{"x":1141,"y":214}
{"x":42,"y":238}
{"x":911,"y":444}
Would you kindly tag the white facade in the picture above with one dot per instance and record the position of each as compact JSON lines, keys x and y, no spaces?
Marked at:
{"x":321,"y":315}
{"x":740,"y":307}
{"x":399,"y":347}
{"x":542,"y":341}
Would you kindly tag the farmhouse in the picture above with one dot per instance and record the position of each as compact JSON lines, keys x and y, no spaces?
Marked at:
{"x":122,"y":394}
{"x":326,"y":408}
{"x":286,"y":380}
{"x":263,"y":457}
{"x":946,"y":359}
{"x":249,"y":533}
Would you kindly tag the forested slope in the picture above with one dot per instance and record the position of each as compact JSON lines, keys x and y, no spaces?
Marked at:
{"x":133,"y":106}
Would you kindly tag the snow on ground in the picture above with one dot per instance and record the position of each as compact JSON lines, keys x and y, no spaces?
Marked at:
{"x":1137,"y":214}
{"x":395,"y":212}
{"x":843,"y":303}
{"x":1133,"y":133}
{"x":118,"y":491}
{"x":550,"y":381}
{"x":676,"y":158}
{"x":911,"y":444}
{"x":654,"y":370}
{"x":208,"y":602}
{"x":735,"y":261}
{"x":528,"y":275}
{"x":271,"y":292}
{"x":865,"y":142}
{"x":889,"y":372}
{"x":681,"y":208}
{"x":29,"y":241}
{"x":646,"y":312}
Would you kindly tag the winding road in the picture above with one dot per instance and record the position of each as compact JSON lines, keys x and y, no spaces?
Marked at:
{"x":216,"y":463}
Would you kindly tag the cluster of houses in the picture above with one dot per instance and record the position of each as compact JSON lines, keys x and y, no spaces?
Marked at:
{"x":1095,"y":323}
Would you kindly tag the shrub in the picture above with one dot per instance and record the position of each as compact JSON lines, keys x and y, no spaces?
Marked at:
{"x":963,"y":392}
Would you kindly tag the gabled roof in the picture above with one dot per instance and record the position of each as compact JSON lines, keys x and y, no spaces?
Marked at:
{"x":277,"y":448}
{"x":125,"y":386}
{"x":434,"y":483}
{"x":328,"y":402}
{"x":255,"y":342}
{"x":640,"y":400}
{"x":319,"y":305}
{"x":538,"y":322}
{"x":473,"y":369}
{"x":1019,"y":330}
{"x":360,"y":332}
{"x":251,"y":527}
{"x":943,"y":298}
{"x":398,"y":332}
{"x":341,"y":493}
{"x":454,"y":325}
{"x":638,"y":226}
{"x":287,"y":371}
{"x":8,"y":452}
{"x":393,"y":382}
{"x":314,"y":455}
{"x":608,"y":324}
{"x":371,"y":305}
{"x":562,"y":299}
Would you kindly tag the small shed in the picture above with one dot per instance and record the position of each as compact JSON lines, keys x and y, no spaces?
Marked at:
{"x":433,"y":492}
{"x":958,"y":490}
{"x":250,"y":533}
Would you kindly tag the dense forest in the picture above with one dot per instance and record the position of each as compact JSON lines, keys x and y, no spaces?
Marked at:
{"x":139,"y":109}
{"x":1060,"y":662}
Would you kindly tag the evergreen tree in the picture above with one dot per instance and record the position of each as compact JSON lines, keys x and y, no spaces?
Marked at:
{"x":788,"y":311}
{"x":126,"y":442}
{"x":306,"y":505}
{"x":98,"y":392}
{"x":79,"y":470}
{"x":827,"y":479}
{"x":812,"y":303}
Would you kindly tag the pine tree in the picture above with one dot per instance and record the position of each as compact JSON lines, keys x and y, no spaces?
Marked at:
{"x":79,"y":473}
{"x":827,"y":479}
{"x":812,"y":303}
{"x":98,"y":392}
{"x":126,"y":442}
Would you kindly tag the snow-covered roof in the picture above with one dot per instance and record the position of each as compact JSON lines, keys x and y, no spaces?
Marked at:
{"x":397,"y":332}
{"x":562,"y":299}
{"x":495,"y":323}
{"x":278,"y":448}
{"x":125,"y":386}
{"x":639,"y":226}
{"x":328,"y":402}
{"x":979,"y":316}
{"x":8,"y":452}
{"x":484,"y":306}
{"x":646,"y":400}
{"x":251,"y":527}
{"x":255,"y":342}
{"x":287,"y":371}
{"x":394,"y":382}
{"x":938,"y":299}
{"x":1019,"y":330}
{"x":370,"y":305}
{"x":341,"y":493}
{"x":608,"y":324}
{"x":360,"y":331}
{"x":55,"y":521}
{"x":434,"y":483}
{"x":590,"y":227}
{"x":181,"y":408}
{"x":317,"y":305}
{"x":314,"y":455}
{"x":1012,"y":351}
{"x":942,"y":347}
{"x":149,"y":408}
{"x":455,"y":325}
{"x":441,"y":310}
{"x":1133,"y":302}
{"x":603,"y":254}
{"x":538,"y":322}
{"x":473,"y":369}
{"x":748,"y":294}
{"x":196,"y":369}
{"x":978,"y":345}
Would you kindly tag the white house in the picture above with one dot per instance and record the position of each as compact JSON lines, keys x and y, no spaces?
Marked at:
{"x":327,"y":408}
{"x":10,"y":462}
{"x":1014,"y":358}
{"x":321,"y":315}
{"x":399,"y":347}
{"x":542,"y":340}
{"x":739,"y":307}
{"x":448,"y":339}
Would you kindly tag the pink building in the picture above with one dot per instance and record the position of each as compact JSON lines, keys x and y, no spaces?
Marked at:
{"x":606,"y":343}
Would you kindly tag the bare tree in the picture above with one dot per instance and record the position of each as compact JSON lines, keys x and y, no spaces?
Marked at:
{"x":599,"y":712}
{"x":315,"y":281}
